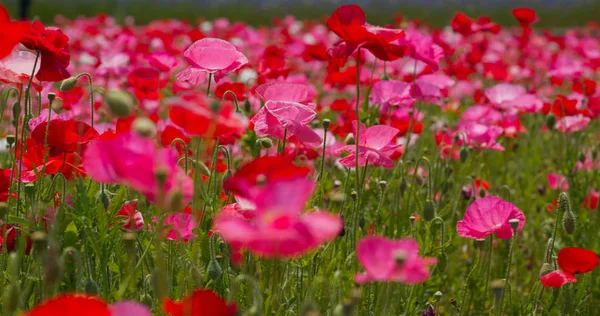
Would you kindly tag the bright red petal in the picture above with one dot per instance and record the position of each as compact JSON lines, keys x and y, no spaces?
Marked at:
{"x":577,"y":260}
{"x":71,"y":305}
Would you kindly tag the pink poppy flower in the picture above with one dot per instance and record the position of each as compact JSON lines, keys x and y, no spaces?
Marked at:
{"x":422,"y":48}
{"x":558,"y":182}
{"x":279,"y":228}
{"x":482,"y":114}
{"x":375,"y":146}
{"x":574,"y":123}
{"x":389,"y":93}
{"x":391,"y":260}
{"x":131,"y":218}
{"x":180,"y":226}
{"x":507,"y":96}
{"x":283,"y":118}
{"x":213,"y":56}
{"x":489,"y":215}
{"x":481,"y":136}
{"x":17,"y":67}
{"x":129,"y":308}
{"x":162,"y":61}
{"x":283,"y":91}
{"x":133,"y":160}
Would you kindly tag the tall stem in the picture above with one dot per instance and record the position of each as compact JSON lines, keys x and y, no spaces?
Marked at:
{"x":357,"y":140}
{"x":507,"y":275}
{"x":210,"y":75}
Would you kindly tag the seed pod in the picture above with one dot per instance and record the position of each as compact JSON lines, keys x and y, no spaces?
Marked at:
{"x":514,"y":224}
{"x":429,"y":210}
{"x":326,"y":123}
{"x":91,"y":287}
{"x":438,"y":296}
{"x":350,"y":139}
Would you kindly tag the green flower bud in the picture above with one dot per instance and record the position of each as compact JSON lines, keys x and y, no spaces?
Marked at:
{"x":103,"y":197}
{"x":144,"y":127}
{"x":214,"y":270}
{"x":91,"y":287}
{"x":350,"y":139}
{"x":120,"y":103}
{"x":546,"y":268}
{"x":264,"y":142}
{"x":429,"y":210}
{"x":569,"y":222}
{"x":68,"y":84}
{"x":550,"y":121}
{"x":464,"y":154}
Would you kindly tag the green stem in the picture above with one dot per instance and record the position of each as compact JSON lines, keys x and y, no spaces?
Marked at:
{"x":507,"y":275}
{"x":210,"y":75}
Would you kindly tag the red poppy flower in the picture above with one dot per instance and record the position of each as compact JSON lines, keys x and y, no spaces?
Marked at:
{"x":262,"y":170}
{"x":340,"y":105}
{"x":67,"y":163}
{"x":199,"y":303}
{"x":11,"y":32}
{"x":238,"y":88}
{"x":466,"y":26}
{"x":590,"y":201}
{"x":53,"y":46}
{"x":587,"y":87}
{"x":4,"y":184}
{"x":71,"y":304}
{"x":11,"y":232}
{"x":64,"y":135}
{"x":526,"y":16}
{"x":145,"y":82}
{"x":349,"y":22}
{"x":272,"y":64}
{"x":571,"y":261}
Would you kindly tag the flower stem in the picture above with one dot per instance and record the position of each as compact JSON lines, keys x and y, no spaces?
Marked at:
{"x":357,"y":140}
{"x":210,"y":75}
{"x":507,"y":275}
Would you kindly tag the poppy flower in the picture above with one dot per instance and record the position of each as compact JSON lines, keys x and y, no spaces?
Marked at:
{"x":213,"y":56}
{"x":375,"y":146}
{"x":129,"y":217}
{"x":145,"y":82}
{"x":481,"y":136}
{"x":489,"y":215}
{"x":67,"y":163}
{"x":53,"y":46}
{"x":64,"y":133}
{"x":507,"y":97}
{"x":558,"y":182}
{"x":421,"y":47}
{"x":525,"y":16}
{"x":199,"y":303}
{"x":349,"y":22}
{"x":590,"y":201}
{"x":238,"y":89}
{"x":247,"y":181}
{"x":284,"y":119}
{"x":83,"y":304}
{"x":133,"y":160}
{"x":283,"y":91}
{"x":272,"y":64}
{"x":390,"y":260}
{"x":4,"y":184}
{"x":180,"y":226}
{"x":388,"y":93}
{"x":466,"y":26}
{"x":569,"y":124}
{"x":18,"y":67}
{"x":11,"y":32}
{"x":571,"y":261}
{"x":279,"y":228}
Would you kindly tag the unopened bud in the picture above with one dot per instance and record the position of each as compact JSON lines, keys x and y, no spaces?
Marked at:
{"x":564,"y":205}
{"x":215,"y":107}
{"x":119,"y":103}
{"x":464,"y":154}
{"x":429,"y":210}
{"x":161,"y":175}
{"x":569,"y":222}
{"x":264,"y":142}
{"x":144,"y":127}
{"x":550,"y":121}
{"x":202,"y":168}
{"x":68,"y":84}
{"x":103,"y":197}
{"x":247,"y":106}
{"x":214,"y":270}
{"x":546,"y":268}
{"x":350,"y":139}
{"x":326,"y":123}
{"x":91,"y":287}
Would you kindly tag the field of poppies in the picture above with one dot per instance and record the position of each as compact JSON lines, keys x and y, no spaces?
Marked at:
{"x":330,"y":167}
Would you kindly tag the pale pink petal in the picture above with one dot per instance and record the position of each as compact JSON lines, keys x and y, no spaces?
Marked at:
{"x":283,"y":91}
{"x":379,"y":136}
{"x":192,"y":75}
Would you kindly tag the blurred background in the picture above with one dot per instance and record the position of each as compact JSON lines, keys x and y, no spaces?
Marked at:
{"x":553,"y":13}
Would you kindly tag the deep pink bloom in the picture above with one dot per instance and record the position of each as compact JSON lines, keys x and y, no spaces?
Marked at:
{"x":129,"y":308}
{"x":283,"y":91}
{"x":283,"y":118}
{"x":422,"y":48}
{"x":558,"y":182}
{"x":279,"y":228}
{"x":375,"y":146}
{"x":489,"y":215}
{"x":391,"y":260}
{"x":133,"y":160}
{"x":213,"y":56}
{"x":180,"y":227}
{"x":482,"y":114}
{"x":481,"y":136}
{"x":507,"y":96}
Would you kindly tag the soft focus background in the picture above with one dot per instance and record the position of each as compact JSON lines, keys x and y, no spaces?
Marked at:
{"x":553,"y":13}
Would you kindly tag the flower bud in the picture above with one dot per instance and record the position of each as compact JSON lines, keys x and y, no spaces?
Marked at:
{"x":147,"y":300}
{"x":214,"y":270}
{"x":326,"y":123}
{"x":3,"y":210}
{"x":247,"y":106}
{"x":429,"y":210}
{"x":16,"y":112}
{"x":120,"y":103}
{"x":264,"y":142}
{"x":91,"y":287}
{"x":403,"y":185}
{"x":161,"y":175}
{"x":564,"y":205}
{"x":350,"y":139}
{"x":569,"y":222}
{"x":464,"y":154}
{"x":438,"y":296}
{"x":68,"y":84}
{"x":103,"y":197}
{"x":546,"y":268}
{"x":144,"y":127}
{"x":550,"y":121}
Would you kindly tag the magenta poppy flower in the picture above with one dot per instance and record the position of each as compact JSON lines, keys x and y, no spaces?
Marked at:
{"x":422,"y":48}
{"x":507,"y":96}
{"x":375,"y":146}
{"x":279,"y":228}
{"x":391,"y":260}
{"x":558,"y":182}
{"x":569,"y":124}
{"x":489,"y":215}
{"x":133,"y":160}
{"x":213,"y":56}
{"x":129,"y":308}
{"x":481,"y":136}
{"x":283,"y":91}
{"x":482,"y":114}
{"x":283,"y":118}
{"x":180,"y":226}
{"x":391,"y":93}
{"x":130,"y":217}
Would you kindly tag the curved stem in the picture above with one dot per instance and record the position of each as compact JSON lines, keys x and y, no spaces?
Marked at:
{"x":185,"y":151}
{"x":85,"y":74}
{"x":47,"y":152}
